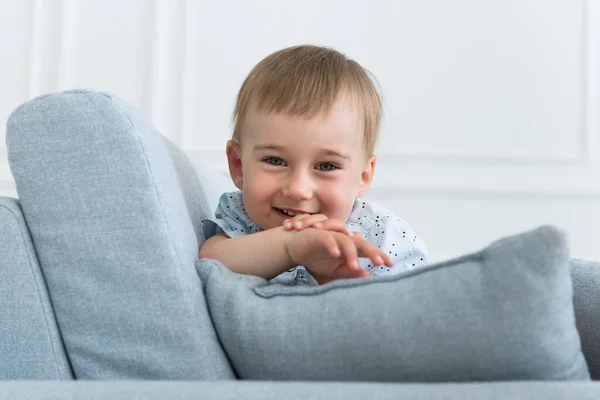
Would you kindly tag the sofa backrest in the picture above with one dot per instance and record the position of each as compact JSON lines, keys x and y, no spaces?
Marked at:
{"x":586,"y":300}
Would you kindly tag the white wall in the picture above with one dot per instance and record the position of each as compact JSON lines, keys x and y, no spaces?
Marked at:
{"x":492,"y":107}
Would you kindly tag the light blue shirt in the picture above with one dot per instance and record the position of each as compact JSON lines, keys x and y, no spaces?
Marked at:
{"x":375,"y":223}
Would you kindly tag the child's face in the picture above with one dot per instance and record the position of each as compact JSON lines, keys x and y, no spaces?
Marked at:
{"x":291,"y":164}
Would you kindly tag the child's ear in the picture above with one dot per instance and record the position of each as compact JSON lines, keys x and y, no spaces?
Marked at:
{"x":234,"y":159}
{"x":367,"y":176}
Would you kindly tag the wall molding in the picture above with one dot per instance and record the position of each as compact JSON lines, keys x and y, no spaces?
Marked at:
{"x":589,"y":135}
{"x":165,"y":102}
{"x":67,"y":52}
{"x":592,"y":74}
{"x":46,"y":46}
{"x":189,"y":72}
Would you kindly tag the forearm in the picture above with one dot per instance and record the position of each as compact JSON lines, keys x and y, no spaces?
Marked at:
{"x":262,"y":254}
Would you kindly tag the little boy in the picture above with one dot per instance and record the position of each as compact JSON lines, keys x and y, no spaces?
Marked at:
{"x":306,"y":123}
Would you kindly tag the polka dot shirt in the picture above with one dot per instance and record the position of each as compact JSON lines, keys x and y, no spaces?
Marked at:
{"x":375,"y":223}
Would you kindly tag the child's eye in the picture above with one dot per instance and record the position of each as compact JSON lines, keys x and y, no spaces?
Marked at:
{"x":274,"y":161}
{"x":326,"y":167}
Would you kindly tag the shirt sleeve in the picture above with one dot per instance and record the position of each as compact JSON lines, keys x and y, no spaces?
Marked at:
{"x":400,"y":242}
{"x":230,"y":218}
{"x":295,"y":277}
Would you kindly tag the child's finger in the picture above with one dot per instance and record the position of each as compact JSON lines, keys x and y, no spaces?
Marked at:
{"x":332,"y":246}
{"x":349,"y":252}
{"x":310,"y":221}
{"x":333,"y":225}
{"x":378,"y":256}
{"x":289,"y":223}
{"x":304,"y":221}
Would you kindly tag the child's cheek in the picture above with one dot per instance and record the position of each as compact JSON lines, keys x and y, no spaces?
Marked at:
{"x":337,"y":201}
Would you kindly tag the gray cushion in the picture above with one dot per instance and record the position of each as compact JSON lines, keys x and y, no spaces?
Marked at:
{"x":504,"y":313}
{"x":30,"y":344}
{"x":102,"y":194}
{"x":586,"y":287}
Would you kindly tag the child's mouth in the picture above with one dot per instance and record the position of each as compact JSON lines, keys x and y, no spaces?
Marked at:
{"x":284,"y":213}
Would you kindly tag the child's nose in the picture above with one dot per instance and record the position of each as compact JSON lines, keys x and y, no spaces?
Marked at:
{"x":298,"y":187}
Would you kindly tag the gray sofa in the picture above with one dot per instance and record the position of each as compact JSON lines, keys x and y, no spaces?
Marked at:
{"x":104,"y":297}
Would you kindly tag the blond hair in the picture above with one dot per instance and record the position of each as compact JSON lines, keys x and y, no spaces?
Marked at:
{"x":305,"y":81}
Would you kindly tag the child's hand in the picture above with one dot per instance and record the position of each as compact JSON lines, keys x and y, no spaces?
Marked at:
{"x":317,"y":221}
{"x":330,"y":255}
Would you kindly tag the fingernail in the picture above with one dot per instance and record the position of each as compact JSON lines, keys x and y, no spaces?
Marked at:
{"x":318,"y":225}
{"x":298,"y":224}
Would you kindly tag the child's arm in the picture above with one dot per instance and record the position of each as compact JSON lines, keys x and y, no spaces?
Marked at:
{"x":261,"y":254}
{"x":271,"y":252}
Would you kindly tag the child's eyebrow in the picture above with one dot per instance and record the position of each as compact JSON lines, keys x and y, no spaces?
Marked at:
{"x":337,"y":154}
{"x":329,"y":152}
{"x":259,"y":147}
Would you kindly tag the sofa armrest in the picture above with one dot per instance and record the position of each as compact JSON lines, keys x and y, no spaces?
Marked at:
{"x":30,"y":343}
{"x":114,"y":218}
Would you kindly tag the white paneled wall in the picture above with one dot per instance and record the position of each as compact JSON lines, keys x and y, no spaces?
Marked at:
{"x":491,"y":107}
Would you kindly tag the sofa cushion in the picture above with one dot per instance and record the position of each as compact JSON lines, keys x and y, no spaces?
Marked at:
{"x":30,"y":344}
{"x":586,"y":300}
{"x":504,"y":313}
{"x":112,"y":209}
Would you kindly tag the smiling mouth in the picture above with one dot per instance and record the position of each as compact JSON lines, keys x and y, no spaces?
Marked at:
{"x":286,"y":213}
